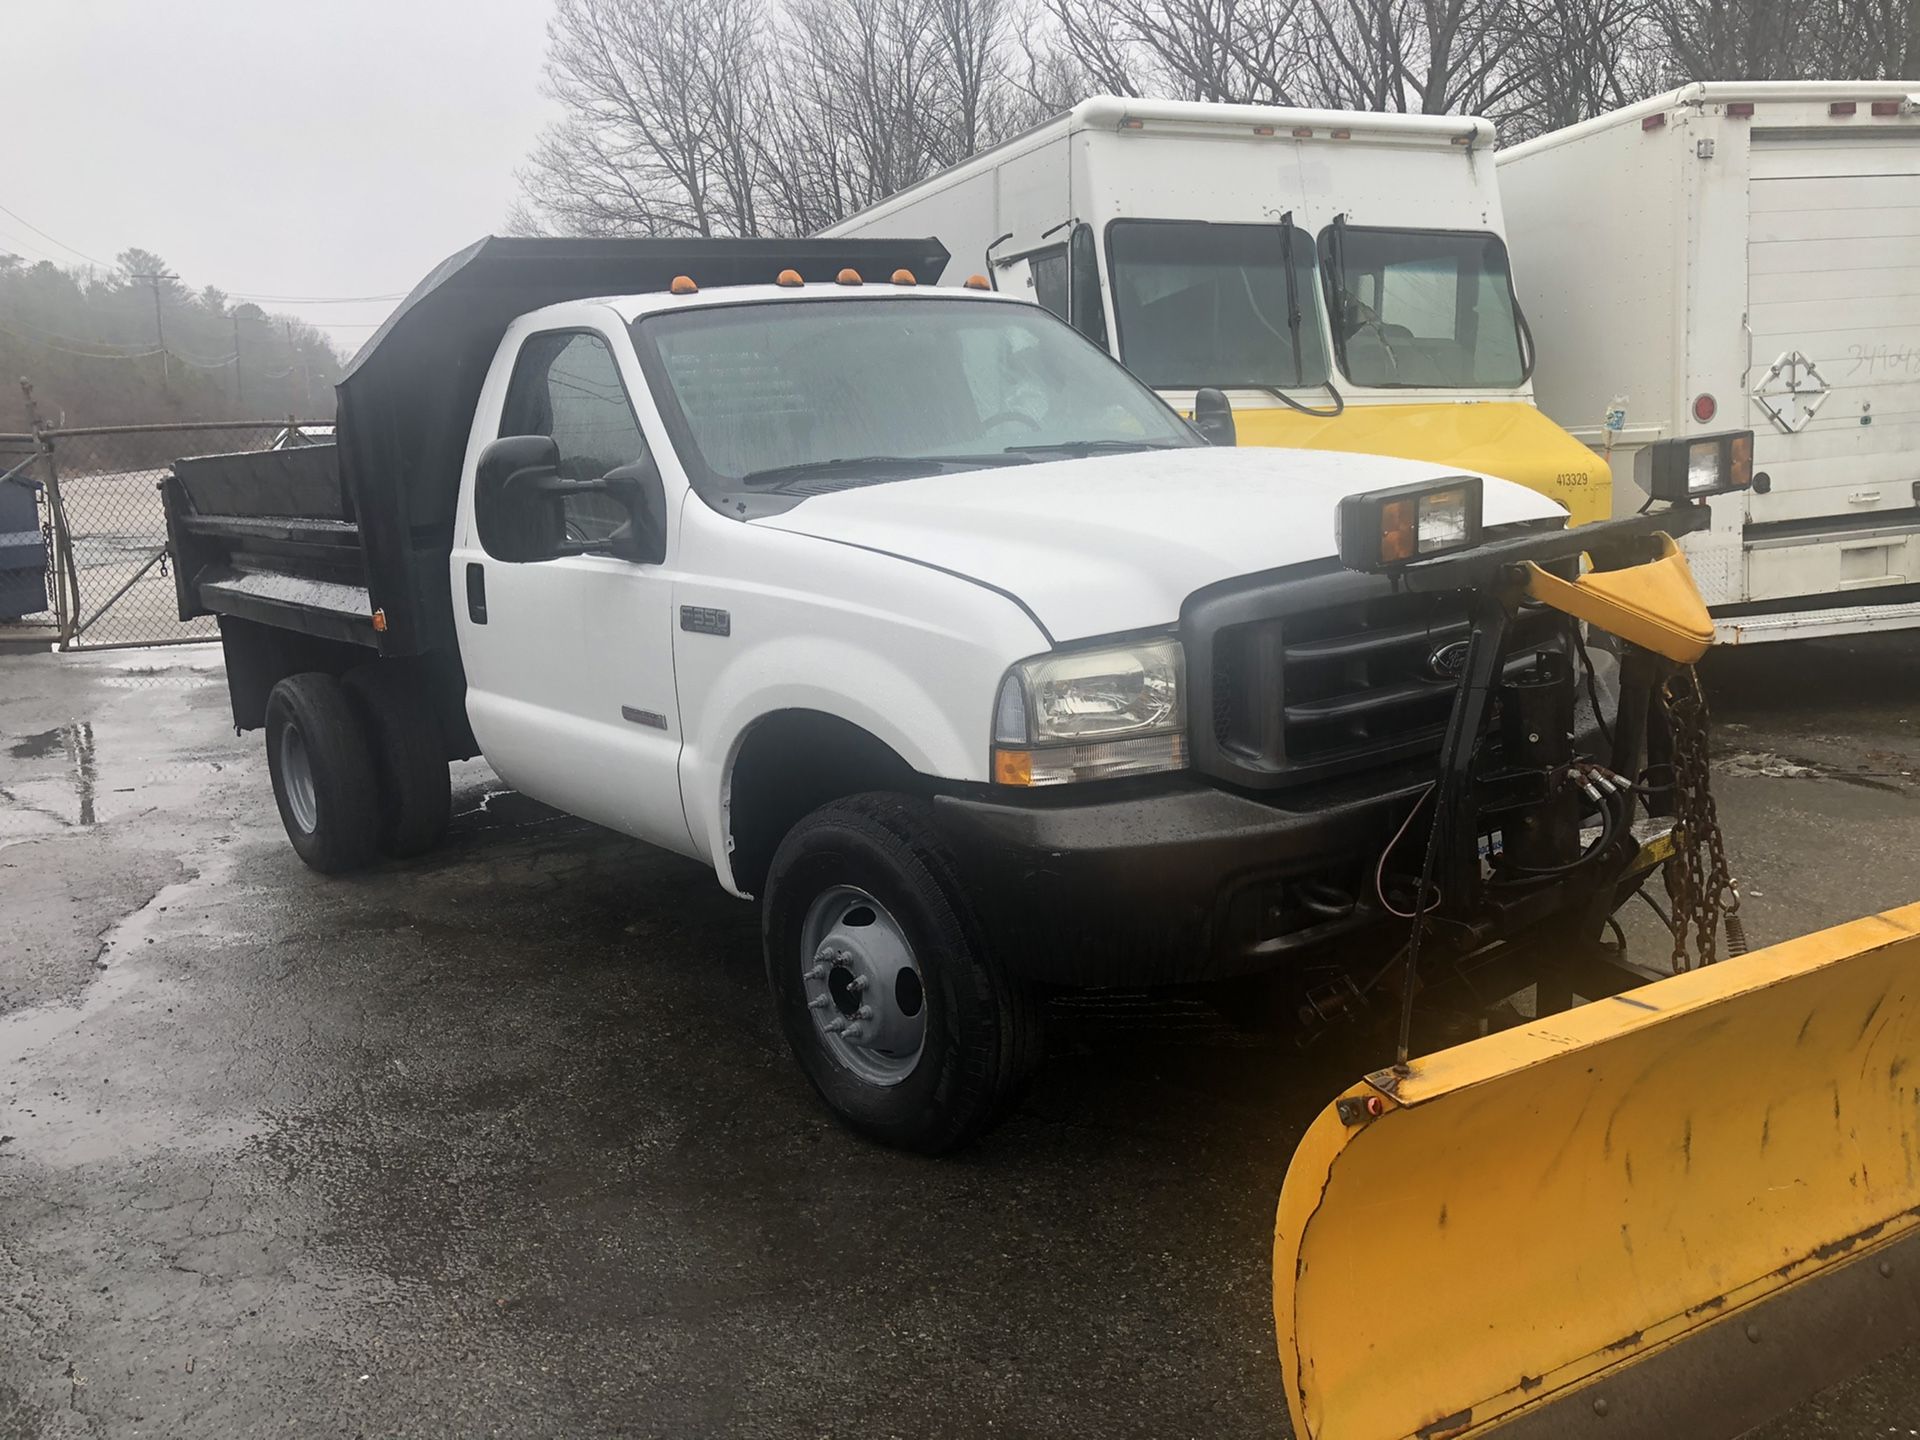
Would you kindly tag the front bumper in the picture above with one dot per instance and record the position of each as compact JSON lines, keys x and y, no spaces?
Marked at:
{"x":1171,"y":881}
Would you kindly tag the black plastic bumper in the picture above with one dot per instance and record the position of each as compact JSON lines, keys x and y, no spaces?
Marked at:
{"x":1171,"y":883}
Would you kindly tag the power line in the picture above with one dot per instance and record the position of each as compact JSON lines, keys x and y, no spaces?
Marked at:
{"x":46,"y":344}
{"x":56,"y":239}
{"x":310,"y":299}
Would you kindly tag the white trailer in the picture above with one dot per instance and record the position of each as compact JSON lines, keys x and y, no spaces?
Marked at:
{"x":1745,"y":254}
{"x":1185,"y":238}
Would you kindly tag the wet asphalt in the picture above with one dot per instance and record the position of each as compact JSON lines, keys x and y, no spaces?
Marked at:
{"x":504,"y":1141}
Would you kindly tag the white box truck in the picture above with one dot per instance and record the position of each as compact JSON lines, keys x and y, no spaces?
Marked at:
{"x":1341,"y":276}
{"x":1746,"y":254}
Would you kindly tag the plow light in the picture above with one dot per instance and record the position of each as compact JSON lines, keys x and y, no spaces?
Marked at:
{"x":1381,"y":529}
{"x":1693,"y":467}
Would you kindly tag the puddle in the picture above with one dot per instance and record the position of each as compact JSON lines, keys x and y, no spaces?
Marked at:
{"x":33,"y":747}
{"x":24,"y":1031}
{"x":80,"y":781}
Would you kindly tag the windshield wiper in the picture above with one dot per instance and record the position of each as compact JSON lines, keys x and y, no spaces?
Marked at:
{"x":884,"y":467}
{"x":1092,"y":447}
{"x":1293,"y":295}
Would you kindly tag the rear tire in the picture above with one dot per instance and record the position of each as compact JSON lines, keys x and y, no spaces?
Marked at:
{"x":864,"y":890}
{"x":323,"y":775}
{"x":416,"y":790}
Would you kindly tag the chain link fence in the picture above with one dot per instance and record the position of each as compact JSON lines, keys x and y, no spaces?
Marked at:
{"x":83,"y":538}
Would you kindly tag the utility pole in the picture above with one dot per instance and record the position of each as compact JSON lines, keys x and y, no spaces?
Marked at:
{"x":239,"y":376}
{"x":159,"y":322}
{"x":306,"y":368}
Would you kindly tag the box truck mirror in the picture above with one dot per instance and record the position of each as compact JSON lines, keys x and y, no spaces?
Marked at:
{"x":1213,"y":416}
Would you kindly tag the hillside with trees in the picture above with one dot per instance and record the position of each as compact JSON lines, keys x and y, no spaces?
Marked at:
{"x":136,"y":345}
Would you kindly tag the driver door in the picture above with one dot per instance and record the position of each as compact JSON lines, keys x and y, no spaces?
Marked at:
{"x":569,"y":661}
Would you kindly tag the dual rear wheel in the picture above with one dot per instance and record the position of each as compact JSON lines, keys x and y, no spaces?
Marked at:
{"x":358,"y":767}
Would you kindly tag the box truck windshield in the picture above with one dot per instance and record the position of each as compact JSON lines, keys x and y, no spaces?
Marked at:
{"x":1426,"y":309}
{"x":1236,"y":306}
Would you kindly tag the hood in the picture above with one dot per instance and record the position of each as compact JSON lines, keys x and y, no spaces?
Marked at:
{"x":1115,"y":543}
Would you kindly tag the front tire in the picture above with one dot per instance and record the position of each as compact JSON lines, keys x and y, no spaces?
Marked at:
{"x":908,"y":1027}
{"x":323,"y":777}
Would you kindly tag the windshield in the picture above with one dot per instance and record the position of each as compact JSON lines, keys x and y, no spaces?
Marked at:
{"x":1422,"y":308}
{"x":863,"y":391}
{"x":1201,"y":304}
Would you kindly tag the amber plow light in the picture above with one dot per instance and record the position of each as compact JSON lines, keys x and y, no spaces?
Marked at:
{"x":1381,"y":529}
{"x":1694,"y":467}
{"x":790,"y":278}
{"x":683,"y":285}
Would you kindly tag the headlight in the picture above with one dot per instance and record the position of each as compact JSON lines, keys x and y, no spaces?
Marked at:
{"x":1091,"y":715}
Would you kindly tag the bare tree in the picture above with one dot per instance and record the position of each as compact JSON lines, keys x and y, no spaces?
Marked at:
{"x":656,"y":135}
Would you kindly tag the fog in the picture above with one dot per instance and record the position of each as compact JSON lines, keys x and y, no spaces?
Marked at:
{"x":271,"y":149}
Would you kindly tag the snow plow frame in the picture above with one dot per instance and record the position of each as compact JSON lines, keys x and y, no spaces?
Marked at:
{"x":1675,"y":1210}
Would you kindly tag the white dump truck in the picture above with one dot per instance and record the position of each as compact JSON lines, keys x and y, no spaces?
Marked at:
{"x":1745,"y":254}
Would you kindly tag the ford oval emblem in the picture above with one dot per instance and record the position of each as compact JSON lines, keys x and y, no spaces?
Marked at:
{"x":1448,"y":662}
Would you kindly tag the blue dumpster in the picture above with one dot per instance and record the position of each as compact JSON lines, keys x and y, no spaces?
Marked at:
{"x":23,"y":551}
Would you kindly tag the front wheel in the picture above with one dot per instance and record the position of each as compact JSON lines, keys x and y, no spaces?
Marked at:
{"x":907,"y":1026}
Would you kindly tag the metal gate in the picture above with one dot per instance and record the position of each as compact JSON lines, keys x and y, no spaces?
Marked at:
{"x":108,"y":573}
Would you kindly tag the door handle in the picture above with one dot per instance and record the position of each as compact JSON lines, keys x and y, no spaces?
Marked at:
{"x":476,"y":592}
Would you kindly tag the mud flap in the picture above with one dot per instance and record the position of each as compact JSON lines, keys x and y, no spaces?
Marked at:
{"x":1675,"y":1211}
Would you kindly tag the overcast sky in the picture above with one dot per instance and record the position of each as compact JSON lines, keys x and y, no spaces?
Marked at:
{"x":272,"y":148}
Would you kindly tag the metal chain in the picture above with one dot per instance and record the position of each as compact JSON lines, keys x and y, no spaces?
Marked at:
{"x":1703,"y":893}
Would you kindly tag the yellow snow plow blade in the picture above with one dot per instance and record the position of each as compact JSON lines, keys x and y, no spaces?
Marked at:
{"x":1672,"y":1212}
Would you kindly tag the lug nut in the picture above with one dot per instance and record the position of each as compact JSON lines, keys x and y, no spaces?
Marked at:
{"x":818,"y":1002}
{"x":818,"y":972}
{"x":859,"y":983}
{"x":865,"y":1012}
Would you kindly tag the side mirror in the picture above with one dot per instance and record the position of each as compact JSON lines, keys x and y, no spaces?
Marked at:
{"x":638,"y":490}
{"x":516,"y":499}
{"x":1213,"y":416}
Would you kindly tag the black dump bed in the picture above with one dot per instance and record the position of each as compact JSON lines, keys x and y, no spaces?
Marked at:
{"x":318,"y":539}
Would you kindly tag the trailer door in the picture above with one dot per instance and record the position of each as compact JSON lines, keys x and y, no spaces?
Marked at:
{"x":1833,"y":276}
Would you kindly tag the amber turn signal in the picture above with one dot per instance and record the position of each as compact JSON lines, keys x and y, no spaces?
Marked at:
{"x":848,"y":276}
{"x":683,"y":285}
{"x":1013,"y":767}
{"x":789,"y":278}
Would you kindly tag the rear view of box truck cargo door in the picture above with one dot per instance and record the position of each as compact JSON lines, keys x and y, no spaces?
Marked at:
{"x":1833,"y":261}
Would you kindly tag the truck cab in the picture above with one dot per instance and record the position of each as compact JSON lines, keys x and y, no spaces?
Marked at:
{"x":1342,"y":276}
